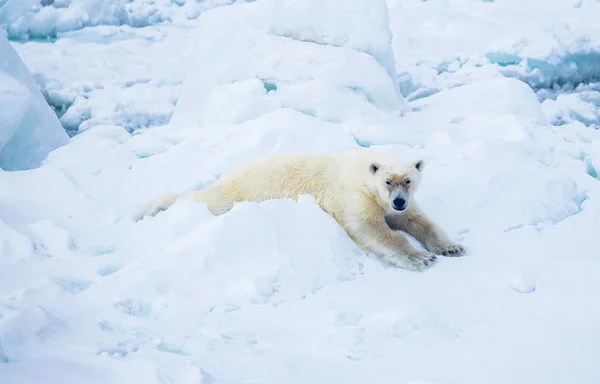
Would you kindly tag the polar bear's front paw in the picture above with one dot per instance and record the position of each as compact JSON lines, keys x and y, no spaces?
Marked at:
{"x":420,"y":261}
{"x":451,"y":250}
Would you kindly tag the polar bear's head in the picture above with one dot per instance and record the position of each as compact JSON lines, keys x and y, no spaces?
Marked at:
{"x":396,"y":182}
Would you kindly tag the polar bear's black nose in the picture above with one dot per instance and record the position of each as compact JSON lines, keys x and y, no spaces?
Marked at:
{"x":399,"y":204}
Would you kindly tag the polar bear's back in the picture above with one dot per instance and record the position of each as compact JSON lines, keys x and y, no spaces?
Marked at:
{"x":282,"y":176}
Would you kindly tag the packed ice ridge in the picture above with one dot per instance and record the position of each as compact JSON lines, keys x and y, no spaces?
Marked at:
{"x":41,"y":19}
{"x":500,"y":98}
{"x":29,"y":129}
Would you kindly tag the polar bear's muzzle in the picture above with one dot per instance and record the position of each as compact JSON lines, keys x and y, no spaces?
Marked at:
{"x":399,"y":202}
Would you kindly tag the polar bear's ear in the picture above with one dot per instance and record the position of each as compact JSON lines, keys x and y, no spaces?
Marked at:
{"x":419,"y":164}
{"x":374,"y":167}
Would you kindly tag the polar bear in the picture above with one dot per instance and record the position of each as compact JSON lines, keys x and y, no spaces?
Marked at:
{"x":369,"y":193}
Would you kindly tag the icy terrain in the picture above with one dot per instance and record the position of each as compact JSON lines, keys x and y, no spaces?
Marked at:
{"x":29,"y":129}
{"x":501,"y":99}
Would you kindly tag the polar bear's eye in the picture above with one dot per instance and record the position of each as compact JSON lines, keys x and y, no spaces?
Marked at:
{"x":388,"y":182}
{"x":407,"y":181}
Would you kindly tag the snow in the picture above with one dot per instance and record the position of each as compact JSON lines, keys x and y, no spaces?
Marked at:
{"x":298,"y":68}
{"x":578,"y":105}
{"x":447,"y":43}
{"x":29,"y":129}
{"x":499,"y":98}
{"x":42,"y":19}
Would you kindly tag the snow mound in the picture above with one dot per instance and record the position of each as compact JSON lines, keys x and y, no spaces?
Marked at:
{"x":29,"y":129}
{"x":361,"y":26}
{"x":333,"y":65}
{"x":219,"y":247}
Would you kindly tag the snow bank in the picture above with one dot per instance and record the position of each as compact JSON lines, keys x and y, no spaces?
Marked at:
{"x":29,"y":129}
{"x":36,"y":19}
{"x":333,"y":65}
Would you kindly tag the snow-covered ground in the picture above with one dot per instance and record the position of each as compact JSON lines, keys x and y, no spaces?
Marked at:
{"x":501,"y":98}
